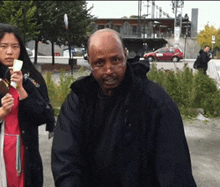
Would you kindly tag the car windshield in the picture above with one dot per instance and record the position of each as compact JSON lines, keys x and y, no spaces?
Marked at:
{"x":180,"y":50}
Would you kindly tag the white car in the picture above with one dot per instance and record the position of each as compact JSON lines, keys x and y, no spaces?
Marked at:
{"x":30,"y":52}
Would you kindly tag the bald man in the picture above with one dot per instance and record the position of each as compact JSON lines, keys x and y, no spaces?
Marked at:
{"x":117,"y":128}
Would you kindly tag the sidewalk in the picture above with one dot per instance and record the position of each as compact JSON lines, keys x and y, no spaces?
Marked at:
{"x":204,"y":144}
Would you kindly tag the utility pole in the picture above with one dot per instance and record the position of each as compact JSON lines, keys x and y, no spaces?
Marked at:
{"x":153,"y":9}
{"x":178,"y":19}
{"x":139,"y":17}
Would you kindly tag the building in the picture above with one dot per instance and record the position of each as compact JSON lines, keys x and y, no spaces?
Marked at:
{"x":145,"y":34}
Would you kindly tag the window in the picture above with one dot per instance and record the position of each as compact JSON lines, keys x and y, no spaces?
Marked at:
{"x":100,"y":27}
{"x":134,"y":30}
{"x":170,"y":50}
{"x":162,"y":50}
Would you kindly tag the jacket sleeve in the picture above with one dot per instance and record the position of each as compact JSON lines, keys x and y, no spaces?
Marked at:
{"x":205,"y":57}
{"x":173,"y":165}
{"x":67,"y":159}
{"x":35,"y":107}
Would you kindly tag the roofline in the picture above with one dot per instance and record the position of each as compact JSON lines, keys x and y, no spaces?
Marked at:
{"x":133,"y":18}
{"x":150,"y":19}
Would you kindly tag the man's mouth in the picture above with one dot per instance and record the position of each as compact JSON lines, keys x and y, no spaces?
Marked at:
{"x":110,"y":80}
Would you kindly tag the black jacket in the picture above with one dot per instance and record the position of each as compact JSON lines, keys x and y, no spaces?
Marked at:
{"x":33,"y":111}
{"x":135,"y":138}
{"x":205,"y":58}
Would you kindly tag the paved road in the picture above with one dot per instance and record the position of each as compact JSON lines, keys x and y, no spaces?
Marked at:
{"x":164,"y":65}
{"x":204,"y":144}
{"x":160,"y":64}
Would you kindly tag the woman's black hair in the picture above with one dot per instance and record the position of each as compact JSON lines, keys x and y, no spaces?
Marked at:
{"x":28,"y":66}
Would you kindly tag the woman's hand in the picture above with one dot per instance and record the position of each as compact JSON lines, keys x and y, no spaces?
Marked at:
{"x":7,"y":103}
{"x":18,"y":78}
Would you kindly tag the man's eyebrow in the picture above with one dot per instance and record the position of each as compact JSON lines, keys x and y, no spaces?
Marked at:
{"x":98,"y":59}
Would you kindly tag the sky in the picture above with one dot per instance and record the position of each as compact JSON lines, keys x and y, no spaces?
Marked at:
{"x":208,"y":11}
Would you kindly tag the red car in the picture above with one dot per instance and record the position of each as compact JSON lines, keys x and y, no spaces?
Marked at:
{"x":165,"y":54}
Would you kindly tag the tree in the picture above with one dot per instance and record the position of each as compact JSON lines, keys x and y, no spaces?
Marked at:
{"x":205,"y":36}
{"x":133,"y":16}
{"x":51,"y":18}
{"x":21,"y":14}
{"x":43,"y":21}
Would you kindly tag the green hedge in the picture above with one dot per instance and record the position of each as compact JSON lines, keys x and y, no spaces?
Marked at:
{"x":58,"y":91}
{"x":189,"y":90}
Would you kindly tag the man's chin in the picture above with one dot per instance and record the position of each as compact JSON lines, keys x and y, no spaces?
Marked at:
{"x":110,"y":86}
{"x":108,"y":89}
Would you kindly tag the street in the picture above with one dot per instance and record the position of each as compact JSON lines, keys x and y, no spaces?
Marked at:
{"x":165,"y":65}
{"x":160,"y":64}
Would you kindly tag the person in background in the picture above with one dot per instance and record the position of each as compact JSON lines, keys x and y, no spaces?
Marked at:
{"x":22,"y":110}
{"x":117,"y":128}
{"x":205,"y":57}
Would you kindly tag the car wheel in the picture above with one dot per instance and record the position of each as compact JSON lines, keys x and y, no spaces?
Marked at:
{"x":150,"y":59}
{"x":175,"y":59}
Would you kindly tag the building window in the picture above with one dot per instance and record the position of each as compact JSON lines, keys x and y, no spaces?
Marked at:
{"x":108,"y":25}
{"x":116,"y":28}
{"x":126,"y":29}
{"x":100,"y":27}
{"x":134,"y":30}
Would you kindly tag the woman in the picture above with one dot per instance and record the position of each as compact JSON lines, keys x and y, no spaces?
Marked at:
{"x":22,"y":110}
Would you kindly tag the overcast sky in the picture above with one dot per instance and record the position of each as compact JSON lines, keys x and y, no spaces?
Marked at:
{"x":208,"y":10}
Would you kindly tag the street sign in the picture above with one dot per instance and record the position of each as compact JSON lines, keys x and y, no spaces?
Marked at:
{"x":213,"y":37}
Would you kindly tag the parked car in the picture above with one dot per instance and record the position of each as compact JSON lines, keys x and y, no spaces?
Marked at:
{"x":29,"y":51}
{"x":85,"y":56}
{"x":165,"y":54}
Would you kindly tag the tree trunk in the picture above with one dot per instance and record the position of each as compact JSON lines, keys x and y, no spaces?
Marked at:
{"x":35,"y":51}
{"x":53,"y":60}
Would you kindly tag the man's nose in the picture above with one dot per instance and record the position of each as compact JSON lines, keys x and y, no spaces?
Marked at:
{"x":108,"y":67}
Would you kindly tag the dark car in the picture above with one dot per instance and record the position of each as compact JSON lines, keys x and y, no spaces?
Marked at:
{"x":165,"y":54}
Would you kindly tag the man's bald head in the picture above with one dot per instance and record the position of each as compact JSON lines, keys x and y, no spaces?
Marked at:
{"x":102,"y":32}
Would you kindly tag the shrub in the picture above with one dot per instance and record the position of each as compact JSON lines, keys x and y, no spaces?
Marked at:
{"x":58,"y":92}
{"x":203,"y":87}
{"x":189,"y":91}
{"x":156,"y":75}
{"x":211,"y":104}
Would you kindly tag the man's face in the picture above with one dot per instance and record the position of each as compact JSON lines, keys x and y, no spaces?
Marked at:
{"x":108,"y":61}
{"x":9,"y":49}
{"x":206,"y":49}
